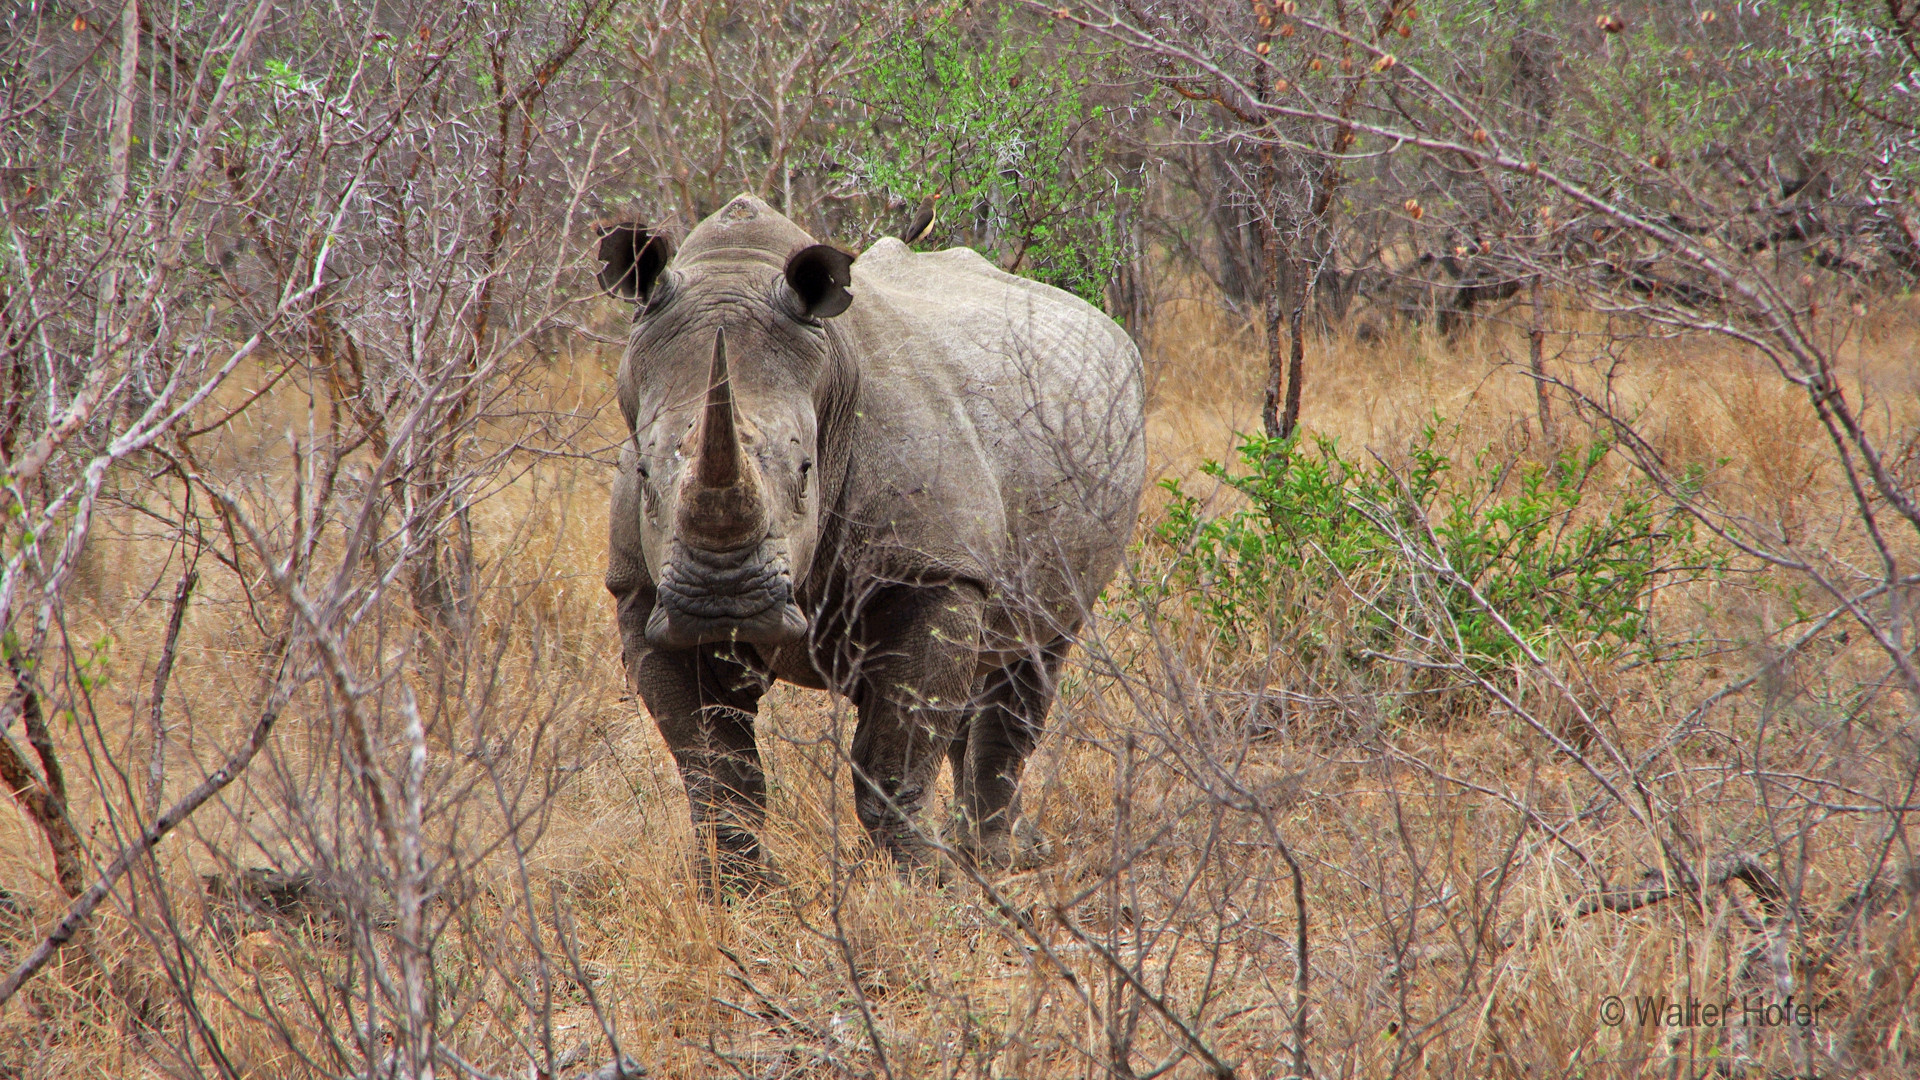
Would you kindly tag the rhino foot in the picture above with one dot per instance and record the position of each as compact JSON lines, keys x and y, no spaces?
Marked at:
{"x":914,"y":858}
{"x":734,"y":867}
{"x":1000,"y":848}
{"x":730,"y":878}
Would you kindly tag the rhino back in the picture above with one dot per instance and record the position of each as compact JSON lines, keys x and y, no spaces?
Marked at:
{"x":999,"y":432}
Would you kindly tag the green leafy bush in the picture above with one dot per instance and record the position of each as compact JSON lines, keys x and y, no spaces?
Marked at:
{"x":1561,"y":556}
{"x":994,"y":116}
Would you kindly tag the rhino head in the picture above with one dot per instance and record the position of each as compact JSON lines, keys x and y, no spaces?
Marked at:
{"x":723,"y":384}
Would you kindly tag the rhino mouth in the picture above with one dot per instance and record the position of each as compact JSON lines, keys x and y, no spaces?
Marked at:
{"x":744,"y":595}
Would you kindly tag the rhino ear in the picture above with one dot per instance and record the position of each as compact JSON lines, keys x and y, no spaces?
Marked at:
{"x":634,"y":258}
{"x":819,"y":276}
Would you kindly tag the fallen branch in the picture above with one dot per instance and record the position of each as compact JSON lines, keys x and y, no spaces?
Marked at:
{"x":1657,"y":886}
{"x":84,"y":906}
{"x":624,"y":1068}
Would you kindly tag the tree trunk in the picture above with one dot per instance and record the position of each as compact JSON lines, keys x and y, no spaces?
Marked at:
{"x":1270,"y":411}
{"x":1290,"y":416}
{"x":1536,"y":362}
{"x":43,"y":797}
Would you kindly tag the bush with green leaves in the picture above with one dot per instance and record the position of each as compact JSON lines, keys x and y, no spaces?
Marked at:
{"x":1564,"y":557}
{"x":995,"y":117}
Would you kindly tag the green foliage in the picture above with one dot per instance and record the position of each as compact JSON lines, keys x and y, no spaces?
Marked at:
{"x":1559,"y":555}
{"x":992,"y":116}
{"x":282,"y":74}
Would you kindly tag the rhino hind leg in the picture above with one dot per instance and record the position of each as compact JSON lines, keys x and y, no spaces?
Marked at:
{"x":912,"y":682}
{"x":704,"y":703}
{"x":1009,"y":713}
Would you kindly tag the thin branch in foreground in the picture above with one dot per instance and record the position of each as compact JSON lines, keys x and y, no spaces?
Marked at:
{"x":1301,"y":1067}
{"x":163,"y":672}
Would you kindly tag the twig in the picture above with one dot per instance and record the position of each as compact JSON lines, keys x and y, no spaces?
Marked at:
{"x":785,"y":1015}
{"x":1220,"y":1069}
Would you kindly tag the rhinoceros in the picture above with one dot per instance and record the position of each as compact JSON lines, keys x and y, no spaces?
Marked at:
{"x":903,"y":478}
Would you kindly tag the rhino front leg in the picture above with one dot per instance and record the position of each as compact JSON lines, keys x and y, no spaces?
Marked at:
{"x":704,"y":704}
{"x":918,"y":650}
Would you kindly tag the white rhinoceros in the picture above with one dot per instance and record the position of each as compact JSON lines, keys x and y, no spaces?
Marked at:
{"x":904,"y":478}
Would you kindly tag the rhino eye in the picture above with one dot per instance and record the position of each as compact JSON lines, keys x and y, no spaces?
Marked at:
{"x":806,"y":473}
{"x":649,"y":497}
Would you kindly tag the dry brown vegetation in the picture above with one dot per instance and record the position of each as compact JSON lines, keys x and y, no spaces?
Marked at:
{"x":1444,"y":936}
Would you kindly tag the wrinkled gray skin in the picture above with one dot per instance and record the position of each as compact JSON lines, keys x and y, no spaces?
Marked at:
{"x":909,"y":491}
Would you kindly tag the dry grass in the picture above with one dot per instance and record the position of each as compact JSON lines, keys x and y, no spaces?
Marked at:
{"x":1435,"y":909}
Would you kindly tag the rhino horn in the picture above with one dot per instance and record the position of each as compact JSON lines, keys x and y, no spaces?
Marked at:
{"x":719,"y":463}
{"x":723,"y":508}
